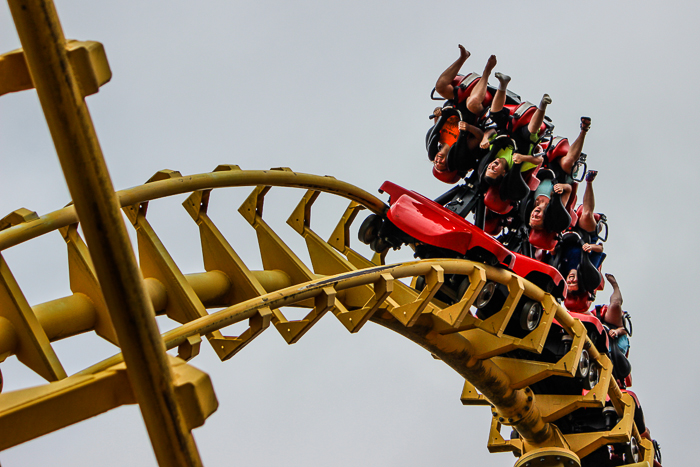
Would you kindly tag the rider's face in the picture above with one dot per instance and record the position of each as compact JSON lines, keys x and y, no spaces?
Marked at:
{"x":537,"y":215}
{"x":496,"y":168}
{"x":441,"y":157}
{"x":572,"y":281}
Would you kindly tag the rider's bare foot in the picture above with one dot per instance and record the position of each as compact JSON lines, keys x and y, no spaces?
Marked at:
{"x":463,"y":53}
{"x":612,"y":280}
{"x":503,"y":80}
{"x":490,"y":64}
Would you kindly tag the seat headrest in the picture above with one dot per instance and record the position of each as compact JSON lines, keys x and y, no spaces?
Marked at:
{"x":559,"y":147}
{"x":577,"y":302}
{"x":447,"y":177}
{"x":543,"y":239}
{"x":492,"y":224}
{"x":493,"y":201}
{"x":464,"y":85}
{"x":449,"y":131}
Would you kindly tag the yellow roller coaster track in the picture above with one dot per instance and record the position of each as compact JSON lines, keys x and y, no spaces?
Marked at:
{"x":117,"y":299}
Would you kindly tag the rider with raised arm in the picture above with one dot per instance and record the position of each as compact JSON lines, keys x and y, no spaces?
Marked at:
{"x":563,"y":168}
{"x":524,"y":138}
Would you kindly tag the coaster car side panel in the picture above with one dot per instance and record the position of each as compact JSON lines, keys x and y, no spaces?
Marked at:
{"x":432,"y":224}
{"x":542,"y":275}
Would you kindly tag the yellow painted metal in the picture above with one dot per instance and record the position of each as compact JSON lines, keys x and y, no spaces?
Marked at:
{"x":111,"y":297}
{"x":549,"y":457}
{"x":62,"y":100}
{"x":409,"y":313}
{"x":470,"y":396}
{"x":32,"y":345}
{"x":83,"y":280}
{"x":400,"y":292}
{"x":32,"y":412}
{"x":66,"y":317}
{"x":218,"y":254}
{"x":323,"y":296}
{"x":585,"y":443}
{"x":17,"y":217}
{"x":471,"y":346}
{"x":496,"y":324}
{"x":276,"y":255}
{"x":359,"y":305}
{"x":87,"y":58}
{"x":8,"y":340}
{"x":190,"y":183}
{"x":183,"y":303}
{"x":458,"y":315}
{"x":556,"y":406}
{"x":524,"y":372}
{"x":496,"y":442}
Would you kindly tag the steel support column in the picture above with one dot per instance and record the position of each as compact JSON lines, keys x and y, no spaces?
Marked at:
{"x":97,"y":206}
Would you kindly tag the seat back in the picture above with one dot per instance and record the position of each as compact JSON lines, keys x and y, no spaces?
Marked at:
{"x":542,"y":239}
{"x":495,"y":202}
{"x":444,"y":131}
{"x":464,"y":85}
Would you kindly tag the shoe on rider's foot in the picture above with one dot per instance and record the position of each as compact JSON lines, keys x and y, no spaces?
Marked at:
{"x":585,"y":123}
{"x":546,"y":100}
{"x":503,"y":80}
{"x":590,"y":175}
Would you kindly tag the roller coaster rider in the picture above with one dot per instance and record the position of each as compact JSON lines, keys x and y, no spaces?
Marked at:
{"x":612,"y":317}
{"x":580,"y":254}
{"x":453,"y":144}
{"x":471,"y":105}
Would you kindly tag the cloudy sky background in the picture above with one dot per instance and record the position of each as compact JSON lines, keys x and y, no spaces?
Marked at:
{"x":342,"y":88}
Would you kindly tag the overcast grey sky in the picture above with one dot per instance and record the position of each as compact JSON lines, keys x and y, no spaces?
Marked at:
{"x":342,"y":88}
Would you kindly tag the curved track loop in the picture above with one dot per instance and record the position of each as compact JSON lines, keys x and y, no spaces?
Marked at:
{"x":356,"y":290}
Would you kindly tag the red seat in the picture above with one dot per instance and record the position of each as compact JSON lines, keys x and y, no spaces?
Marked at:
{"x":578,"y":303}
{"x":446,"y":176}
{"x":465,"y":86}
{"x":493,"y":201}
{"x":542,"y":239}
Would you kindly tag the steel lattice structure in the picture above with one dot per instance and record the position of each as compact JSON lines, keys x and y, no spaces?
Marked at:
{"x":117,"y":297}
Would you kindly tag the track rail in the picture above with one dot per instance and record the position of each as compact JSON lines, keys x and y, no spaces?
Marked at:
{"x":340,"y":280}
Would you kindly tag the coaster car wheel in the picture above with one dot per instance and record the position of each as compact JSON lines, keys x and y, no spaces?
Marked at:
{"x":369,"y":229}
{"x":591,"y":379}
{"x":379,"y":245}
{"x":584,"y":364}
{"x":530,"y":316}
{"x":632,"y":452}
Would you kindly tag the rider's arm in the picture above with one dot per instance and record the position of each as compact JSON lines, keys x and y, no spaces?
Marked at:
{"x":522,"y":158}
{"x":486,"y":139}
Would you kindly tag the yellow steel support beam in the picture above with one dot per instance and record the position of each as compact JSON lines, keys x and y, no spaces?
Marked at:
{"x":83,"y":280}
{"x":87,"y":58}
{"x":97,"y":207}
{"x":33,"y":346}
{"x":32,"y":412}
{"x":359,"y":305}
